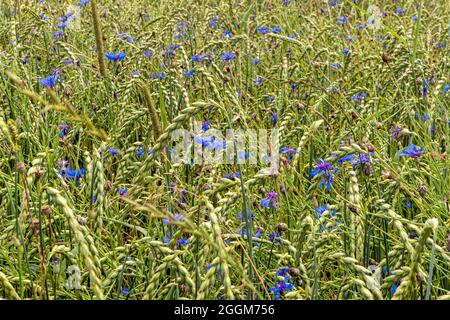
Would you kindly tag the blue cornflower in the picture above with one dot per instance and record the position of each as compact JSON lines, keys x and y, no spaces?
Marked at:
{"x":64,"y":130}
{"x":198,"y":58}
{"x":276,"y":30}
{"x":446,"y":88}
{"x":183,"y":196}
{"x":215,"y":144}
{"x":83,"y":3}
{"x":181,"y":30}
{"x":228,"y":34}
{"x":283,"y":271}
{"x":62,"y":26}
{"x":281,"y":287}
{"x":361,"y":27}
{"x":116,"y":56}
{"x":412,"y":151}
{"x":362,"y":158}
{"x":424,"y":117}
{"x":274,"y":118}
{"x":348,"y":157}
{"x":358,"y":97}
{"x":270,"y":201}
{"x":157,"y":76}
{"x":189,"y":74}
{"x":289,"y":151}
{"x":122,"y":191}
{"x":320,"y":210}
{"x":357,"y":160}
{"x":182,"y":242}
{"x":256,"y":61}
{"x":48,"y":82}
{"x":345,"y":51}
{"x":125,"y":291}
{"x":166,"y":239}
{"x":408,"y":205}
{"x":228,"y":56}
{"x":113,"y":151}
{"x":334,"y":89}
{"x":325,"y":169}
{"x":206,"y":125}
{"x":342,"y":20}
{"x":395,"y":286}
{"x":349,"y":38}
{"x":148,"y":53}
{"x":66,"y":17}
{"x":396,"y":133}
{"x":204,"y":141}
{"x":333,"y":3}
{"x":400,"y":11}
{"x":335,"y":65}
{"x":243,"y":155}
{"x":214,"y":21}
{"x":178,"y":217}
{"x":232,"y":177}
{"x":244,"y":232}
{"x":257,"y":235}
{"x":140,"y":151}
{"x":134,"y":74}
{"x":263,"y":30}
{"x":70,"y":173}
{"x":259,"y":80}
{"x":415,"y":18}
{"x":293,"y":86}
{"x":172,"y":185}
{"x":275,"y":236}
{"x":131,"y":39}
{"x":425,"y":88}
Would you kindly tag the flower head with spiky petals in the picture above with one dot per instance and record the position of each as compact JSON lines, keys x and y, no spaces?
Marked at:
{"x":412,"y":151}
{"x":326,"y":170}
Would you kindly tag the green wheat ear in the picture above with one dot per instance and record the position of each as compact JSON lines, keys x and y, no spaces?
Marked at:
{"x":98,"y":39}
{"x":153,"y":113}
{"x":7,"y":286}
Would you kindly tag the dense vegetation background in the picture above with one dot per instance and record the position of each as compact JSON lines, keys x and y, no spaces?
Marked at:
{"x":91,"y":205}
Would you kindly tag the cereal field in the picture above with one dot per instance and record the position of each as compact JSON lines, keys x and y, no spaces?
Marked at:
{"x":223,"y":149}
